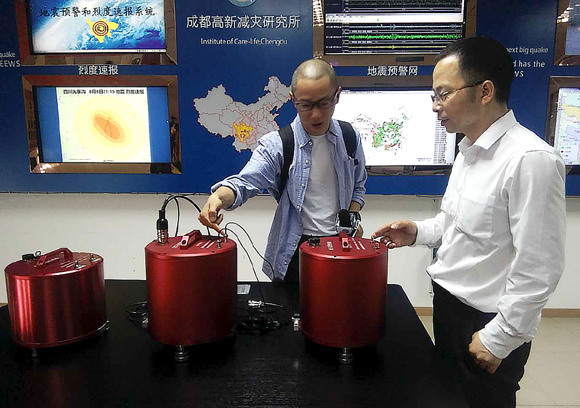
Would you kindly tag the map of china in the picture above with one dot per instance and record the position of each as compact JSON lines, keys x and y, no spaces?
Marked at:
{"x":224,"y":117}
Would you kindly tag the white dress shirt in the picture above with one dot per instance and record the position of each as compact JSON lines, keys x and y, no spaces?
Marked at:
{"x":501,"y":231}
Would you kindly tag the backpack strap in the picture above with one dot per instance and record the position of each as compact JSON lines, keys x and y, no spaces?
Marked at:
{"x":349,"y":137}
{"x":287,"y":136}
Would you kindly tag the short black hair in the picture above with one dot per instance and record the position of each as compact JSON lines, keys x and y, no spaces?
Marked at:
{"x":483,"y":58}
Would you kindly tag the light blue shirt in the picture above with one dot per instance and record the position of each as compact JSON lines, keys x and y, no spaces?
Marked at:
{"x":263,"y":170}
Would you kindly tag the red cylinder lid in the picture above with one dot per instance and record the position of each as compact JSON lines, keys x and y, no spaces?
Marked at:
{"x":59,"y":262}
{"x":350,"y":247}
{"x":192,"y":244}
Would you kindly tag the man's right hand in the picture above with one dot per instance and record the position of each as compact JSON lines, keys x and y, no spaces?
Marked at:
{"x":210,"y":215}
{"x":397,"y":233}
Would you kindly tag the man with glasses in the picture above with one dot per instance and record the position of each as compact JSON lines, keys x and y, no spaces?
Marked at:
{"x":501,"y":228}
{"x":322,"y":180}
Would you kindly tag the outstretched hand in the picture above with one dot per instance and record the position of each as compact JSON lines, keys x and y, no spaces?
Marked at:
{"x":209,"y":215}
{"x":397,"y":234}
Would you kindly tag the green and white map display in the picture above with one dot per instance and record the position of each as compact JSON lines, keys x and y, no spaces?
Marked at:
{"x":245,"y":124}
{"x":397,"y":128}
{"x":567,"y":139}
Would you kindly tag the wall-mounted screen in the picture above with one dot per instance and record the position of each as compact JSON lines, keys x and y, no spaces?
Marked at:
{"x":567,"y":135}
{"x":567,"y":45}
{"x":127,"y":127}
{"x":355,"y":32}
{"x":563,"y":129}
{"x":400,"y":133}
{"x":79,"y":31}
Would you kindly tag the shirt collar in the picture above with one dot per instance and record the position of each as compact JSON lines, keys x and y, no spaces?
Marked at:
{"x":492,"y":134}
{"x":303,"y":137}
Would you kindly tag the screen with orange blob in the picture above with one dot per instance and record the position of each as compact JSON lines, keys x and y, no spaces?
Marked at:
{"x":104,"y":124}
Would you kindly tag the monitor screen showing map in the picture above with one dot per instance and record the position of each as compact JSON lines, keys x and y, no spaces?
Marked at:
{"x":103,"y":124}
{"x":72,"y":26}
{"x":398,"y":128}
{"x":567,"y":130}
{"x":79,"y":126}
{"x":77,"y":31}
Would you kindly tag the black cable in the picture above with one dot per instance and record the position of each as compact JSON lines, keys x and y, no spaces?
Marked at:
{"x":249,"y":259}
{"x":178,"y":216}
{"x":175,"y":197}
{"x":138,"y":313}
{"x":183,"y":196}
{"x":251,"y":242}
{"x":259,"y":319}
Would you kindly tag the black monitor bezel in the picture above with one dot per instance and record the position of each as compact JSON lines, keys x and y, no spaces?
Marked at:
{"x":557,"y":82}
{"x":560,"y":56}
{"x":36,"y":161}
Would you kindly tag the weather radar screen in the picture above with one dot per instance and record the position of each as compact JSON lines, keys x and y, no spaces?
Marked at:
{"x":97,"y":26}
{"x":391,"y":26}
{"x":397,"y":127}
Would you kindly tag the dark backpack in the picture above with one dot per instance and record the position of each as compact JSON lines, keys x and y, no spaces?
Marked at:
{"x":287,"y":136}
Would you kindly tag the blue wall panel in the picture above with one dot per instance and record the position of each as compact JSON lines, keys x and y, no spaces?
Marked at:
{"x":244,"y":70}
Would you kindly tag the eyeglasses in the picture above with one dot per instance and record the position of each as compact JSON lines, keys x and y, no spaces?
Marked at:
{"x":441,"y":98}
{"x":321,"y":104}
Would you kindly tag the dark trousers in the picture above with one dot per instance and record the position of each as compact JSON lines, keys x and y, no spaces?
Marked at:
{"x":289,"y":285}
{"x":454,"y":323}
{"x":293,"y":271}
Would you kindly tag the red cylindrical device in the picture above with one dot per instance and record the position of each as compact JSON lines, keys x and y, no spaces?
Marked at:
{"x":191,"y":289}
{"x":343,"y":291}
{"x":56,"y":299}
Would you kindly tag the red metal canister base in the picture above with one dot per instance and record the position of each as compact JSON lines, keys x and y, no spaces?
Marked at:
{"x":343,"y":289}
{"x":56,"y":299}
{"x":191,"y":289}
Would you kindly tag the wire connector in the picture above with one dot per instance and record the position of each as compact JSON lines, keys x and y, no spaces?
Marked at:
{"x":255,"y":304}
{"x":162,"y":228}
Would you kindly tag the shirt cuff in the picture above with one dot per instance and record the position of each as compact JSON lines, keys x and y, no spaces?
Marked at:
{"x":224,"y":183}
{"x":497,"y":341}
{"x":423,"y":237}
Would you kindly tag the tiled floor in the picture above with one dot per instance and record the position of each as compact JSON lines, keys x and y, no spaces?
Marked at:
{"x":552,"y":377}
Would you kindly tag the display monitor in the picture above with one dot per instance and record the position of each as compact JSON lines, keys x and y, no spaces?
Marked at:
{"x":96,"y":32}
{"x":386,"y":32}
{"x":567,"y":43}
{"x":129,"y":126}
{"x":399,"y":131}
{"x":563,"y":130}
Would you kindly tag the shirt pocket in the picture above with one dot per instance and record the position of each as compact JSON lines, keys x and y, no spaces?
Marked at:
{"x":475,"y":215}
{"x":448,"y":205}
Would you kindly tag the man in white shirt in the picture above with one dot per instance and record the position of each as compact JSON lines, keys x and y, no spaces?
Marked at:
{"x":501,"y":228}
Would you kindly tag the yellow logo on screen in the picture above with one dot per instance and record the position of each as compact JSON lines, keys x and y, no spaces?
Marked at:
{"x":242,"y":131}
{"x":102,"y":28}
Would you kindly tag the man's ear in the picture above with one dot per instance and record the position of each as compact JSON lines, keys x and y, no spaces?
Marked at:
{"x":487,"y":91}
{"x":338,"y":94}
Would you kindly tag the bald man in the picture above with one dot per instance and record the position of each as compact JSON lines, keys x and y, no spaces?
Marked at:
{"x":322,"y":180}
